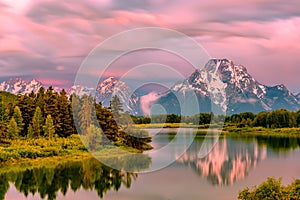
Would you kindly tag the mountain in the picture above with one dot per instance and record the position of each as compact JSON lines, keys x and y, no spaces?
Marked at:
{"x":110,"y":87}
{"x":298,"y":96}
{"x":19,"y":86}
{"x":229,"y":88}
{"x":103,"y":92}
{"x":80,"y":90}
{"x":221,"y":86}
{"x":106,"y":89}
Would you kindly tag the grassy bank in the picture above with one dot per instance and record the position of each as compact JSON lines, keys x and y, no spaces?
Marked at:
{"x":21,"y":150}
{"x":229,"y":129}
{"x":260,"y":131}
{"x":176,"y":125}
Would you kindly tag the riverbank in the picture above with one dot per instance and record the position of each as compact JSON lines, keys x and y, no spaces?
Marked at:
{"x":228,"y":129}
{"x":260,"y":131}
{"x":176,"y":125}
{"x":23,"y":150}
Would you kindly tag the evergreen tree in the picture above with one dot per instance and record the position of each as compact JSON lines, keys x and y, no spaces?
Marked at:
{"x":40,"y":100}
{"x":94,"y":137}
{"x":51,"y":107}
{"x":297,"y":116}
{"x":74,"y":111}
{"x":116,"y":107}
{"x":27,"y":108}
{"x":4,"y":123}
{"x":30,"y":132}
{"x":65,"y":119}
{"x":107,"y":123}
{"x":48,"y":128}
{"x":18,"y":118}
{"x":37,"y":122}
{"x":85,"y":114}
{"x":13,"y":129}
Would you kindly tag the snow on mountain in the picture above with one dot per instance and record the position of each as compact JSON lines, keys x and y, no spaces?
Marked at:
{"x":228,"y":88}
{"x":80,"y":90}
{"x":298,"y":96}
{"x":221,"y":86}
{"x":20,"y":86}
{"x":106,"y":89}
{"x":110,"y":87}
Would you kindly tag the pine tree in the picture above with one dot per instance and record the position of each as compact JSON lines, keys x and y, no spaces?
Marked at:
{"x":85,"y":114}
{"x":4,"y":123}
{"x":65,"y":118}
{"x":48,"y":128}
{"x":51,"y":107}
{"x":40,"y":100}
{"x":37,"y":122}
{"x":94,"y":137}
{"x":116,"y":107}
{"x":27,"y":108}
{"x":13,"y":129}
{"x":30,"y":132}
{"x":107,"y":123}
{"x":75,"y":110}
{"x":19,"y":119}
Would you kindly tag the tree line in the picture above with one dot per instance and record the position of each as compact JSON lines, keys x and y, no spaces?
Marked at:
{"x":35,"y":115}
{"x":281,"y":118}
{"x":52,"y":114}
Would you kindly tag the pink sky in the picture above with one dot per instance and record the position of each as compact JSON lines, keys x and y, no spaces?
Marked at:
{"x":48,"y":40}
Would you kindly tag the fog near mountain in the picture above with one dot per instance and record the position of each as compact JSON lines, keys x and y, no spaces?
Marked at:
{"x":221,"y":86}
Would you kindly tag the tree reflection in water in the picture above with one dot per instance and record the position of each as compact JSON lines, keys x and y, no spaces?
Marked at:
{"x":47,"y":179}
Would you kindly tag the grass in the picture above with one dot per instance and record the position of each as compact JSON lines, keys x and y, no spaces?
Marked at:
{"x":176,"y":125}
{"x":21,"y":149}
{"x":36,"y":149}
{"x":261,"y":131}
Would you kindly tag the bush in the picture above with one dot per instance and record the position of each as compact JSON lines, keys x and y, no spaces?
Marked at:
{"x":40,"y":147}
{"x":272,"y":189}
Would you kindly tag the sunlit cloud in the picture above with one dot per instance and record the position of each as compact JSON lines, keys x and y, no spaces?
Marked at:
{"x":43,"y":36}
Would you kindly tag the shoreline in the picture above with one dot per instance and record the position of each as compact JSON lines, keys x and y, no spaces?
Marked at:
{"x":75,"y":149}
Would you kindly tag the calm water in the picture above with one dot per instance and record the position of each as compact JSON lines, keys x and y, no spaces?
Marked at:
{"x":233,"y":164}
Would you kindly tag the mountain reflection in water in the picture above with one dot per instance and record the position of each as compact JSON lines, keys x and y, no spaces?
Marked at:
{"x":230,"y":160}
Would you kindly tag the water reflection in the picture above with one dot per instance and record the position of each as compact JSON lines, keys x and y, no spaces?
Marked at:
{"x":49,"y":178}
{"x":230,"y":160}
{"x":233,"y":158}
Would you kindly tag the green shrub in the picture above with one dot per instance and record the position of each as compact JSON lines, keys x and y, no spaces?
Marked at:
{"x":272,"y":189}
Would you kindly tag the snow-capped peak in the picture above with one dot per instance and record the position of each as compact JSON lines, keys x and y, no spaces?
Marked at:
{"x":20,"y":86}
{"x":233,"y":89}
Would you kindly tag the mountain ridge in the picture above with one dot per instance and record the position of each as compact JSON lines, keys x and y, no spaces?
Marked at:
{"x":221,"y":84}
{"x":231,"y":89}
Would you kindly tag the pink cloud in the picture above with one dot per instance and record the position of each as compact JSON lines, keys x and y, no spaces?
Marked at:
{"x":53,"y":82}
{"x":262,"y":35}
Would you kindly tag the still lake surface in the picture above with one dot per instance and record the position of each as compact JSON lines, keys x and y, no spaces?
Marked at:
{"x":232,"y":164}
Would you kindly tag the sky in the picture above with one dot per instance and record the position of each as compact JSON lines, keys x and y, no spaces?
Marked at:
{"x":49,"y":40}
